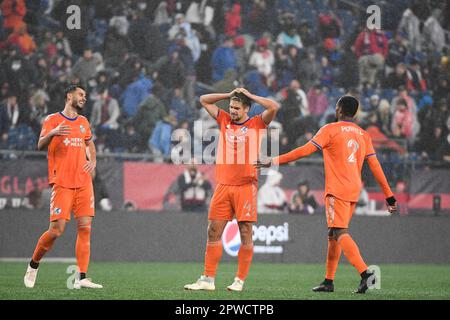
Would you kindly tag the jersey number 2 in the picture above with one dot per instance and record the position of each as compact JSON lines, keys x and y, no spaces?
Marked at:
{"x":353,"y":145}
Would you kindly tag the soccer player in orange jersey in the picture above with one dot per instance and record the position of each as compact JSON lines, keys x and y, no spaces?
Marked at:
{"x":237,"y":180}
{"x":345,"y":146}
{"x":67,"y":135}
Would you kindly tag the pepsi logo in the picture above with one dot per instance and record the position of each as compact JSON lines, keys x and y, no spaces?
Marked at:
{"x":231,"y":238}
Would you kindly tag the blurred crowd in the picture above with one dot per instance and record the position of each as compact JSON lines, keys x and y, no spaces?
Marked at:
{"x":145,"y":63}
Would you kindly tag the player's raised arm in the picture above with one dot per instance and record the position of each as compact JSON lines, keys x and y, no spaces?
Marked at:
{"x":271,"y":106}
{"x":208,"y":102}
{"x":45,"y":139}
{"x":293,"y":155}
{"x":378,"y":173}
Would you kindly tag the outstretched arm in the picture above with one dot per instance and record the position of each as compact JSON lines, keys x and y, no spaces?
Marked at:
{"x":295,"y":154}
{"x":378,"y":173}
{"x":208,"y":102}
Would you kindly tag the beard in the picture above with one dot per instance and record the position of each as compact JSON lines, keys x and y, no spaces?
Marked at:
{"x":76,"y":106}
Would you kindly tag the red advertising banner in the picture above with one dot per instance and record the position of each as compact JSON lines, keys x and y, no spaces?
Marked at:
{"x":145,"y":184}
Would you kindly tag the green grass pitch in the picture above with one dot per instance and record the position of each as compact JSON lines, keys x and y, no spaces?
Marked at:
{"x":164,"y":281}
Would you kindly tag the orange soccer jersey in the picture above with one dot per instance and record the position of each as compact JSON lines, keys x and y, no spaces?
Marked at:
{"x":237,"y":179}
{"x":238,"y":149}
{"x":67,"y":154}
{"x":345,"y":146}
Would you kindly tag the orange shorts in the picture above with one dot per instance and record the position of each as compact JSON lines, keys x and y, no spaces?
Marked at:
{"x":339,"y":212}
{"x":63,"y":201}
{"x":234,"y":201}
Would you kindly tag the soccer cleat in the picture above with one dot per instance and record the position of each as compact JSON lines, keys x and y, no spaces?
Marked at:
{"x":86,"y":283}
{"x":30,"y":277}
{"x":204,"y":283}
{"x":323,"y":287}
{"x":365,"y":283}
{"x":237,"y":285}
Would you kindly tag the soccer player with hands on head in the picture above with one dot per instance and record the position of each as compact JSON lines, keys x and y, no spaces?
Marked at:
{"x":237,"y":179}
{"x":345,"y":146}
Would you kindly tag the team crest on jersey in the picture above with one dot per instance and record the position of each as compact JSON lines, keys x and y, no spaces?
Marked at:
{"x":82,"y":128}
{"x":244,"y":129}
{"x":57,"y":211}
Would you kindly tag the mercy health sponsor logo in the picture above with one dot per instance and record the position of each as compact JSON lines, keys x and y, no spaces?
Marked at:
{"x":266,"y":239}
{"x":74,"y":142}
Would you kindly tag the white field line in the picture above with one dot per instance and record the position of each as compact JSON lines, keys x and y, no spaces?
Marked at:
{"x":52,"y":260}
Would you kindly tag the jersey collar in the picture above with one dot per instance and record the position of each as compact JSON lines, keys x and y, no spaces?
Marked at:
{"x":70,"y":119}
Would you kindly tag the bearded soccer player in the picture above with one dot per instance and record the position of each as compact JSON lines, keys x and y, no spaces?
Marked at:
{"x":345,"y":146}
{"x":237,"y":180}
{"x":68,"y":138}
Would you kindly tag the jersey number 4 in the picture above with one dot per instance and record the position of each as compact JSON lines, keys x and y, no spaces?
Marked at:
{"x":354,"y":146}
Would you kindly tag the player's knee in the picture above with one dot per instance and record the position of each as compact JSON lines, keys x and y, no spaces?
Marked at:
{"x":56,"y":231}
{"x":213,"y":233}
{"x":246,"y":233}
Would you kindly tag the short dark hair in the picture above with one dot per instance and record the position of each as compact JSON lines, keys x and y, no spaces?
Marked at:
{"x":349,"y":105}
{"x":72,"y":88}
{"x":241,"y":97}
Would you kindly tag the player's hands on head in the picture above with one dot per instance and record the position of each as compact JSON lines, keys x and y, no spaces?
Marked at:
{"x":264,"y":162}
{"x":241,"y":90}
{"x":61,"y":130}
{"x":391,"y":204}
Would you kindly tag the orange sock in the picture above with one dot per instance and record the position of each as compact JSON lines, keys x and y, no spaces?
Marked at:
{"x":245,"y":256}
{"x":333,"y":255}
{"x":213,"y":254}
{"x":351,"y":251}
{"x":44,"y":244}
{"x":83,"y":247}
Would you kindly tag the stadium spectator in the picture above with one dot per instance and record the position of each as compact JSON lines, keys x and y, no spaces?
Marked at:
{"x":302,"y":201}
{"x":263,"y":60}
{"x":22,"y":39}
{"x":150,"y":111}
{"x":310,"y":69}
{"x":371,"y":49}
{"x":397,"y":52}
{"x":416,"y":82}
{"x":13,"y":12}
{"x":223,"y":58}
{"x":233,"y":20}
{"x":272,"y":198}
{"x":290,"y":37}
{"x":160,"y":140}
{"x":104,"y":120}
{"x":410,"y":26}
{"x":397,"y":78}
{"x":38,"y":109}
{"x":193,"y":189}
{"x":87,"y":66}
{"x":179,"y":107}
{"x":317,"y":101}
{"x":402,"y":121}
{"x":172,"y":71}
{"x":135,"y":93}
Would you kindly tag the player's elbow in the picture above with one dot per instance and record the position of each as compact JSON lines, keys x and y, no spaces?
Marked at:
{"x":202,"y":99}
{"x":275,"y":106}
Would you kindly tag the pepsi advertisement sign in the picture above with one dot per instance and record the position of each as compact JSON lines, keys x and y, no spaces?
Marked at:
{"x":266,"y":239}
